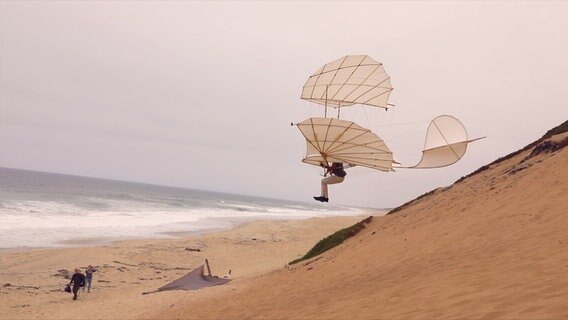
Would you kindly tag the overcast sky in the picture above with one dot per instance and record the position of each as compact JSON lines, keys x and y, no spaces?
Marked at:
{"x":201,"y":94}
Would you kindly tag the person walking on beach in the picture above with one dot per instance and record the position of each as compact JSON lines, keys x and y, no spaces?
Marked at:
{"x":89,"y":277}
{"x":77,"y":280}
{"x":336,"y":174}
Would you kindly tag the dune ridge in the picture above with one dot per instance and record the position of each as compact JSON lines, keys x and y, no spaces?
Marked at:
{"x":492,"y":245}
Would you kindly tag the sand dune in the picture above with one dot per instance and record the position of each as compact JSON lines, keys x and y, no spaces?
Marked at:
{"x":492,"y":246}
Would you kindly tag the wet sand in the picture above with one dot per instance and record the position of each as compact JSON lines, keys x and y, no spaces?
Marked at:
{"x":33,"y":280}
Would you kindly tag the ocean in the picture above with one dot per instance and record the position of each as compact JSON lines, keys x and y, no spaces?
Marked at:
{"x":44,"y":210}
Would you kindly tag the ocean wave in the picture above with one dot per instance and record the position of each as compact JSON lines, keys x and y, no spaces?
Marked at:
{"x":39,"y":210}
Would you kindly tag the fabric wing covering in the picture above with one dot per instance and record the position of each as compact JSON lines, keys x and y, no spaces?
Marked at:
{"x":355,"y":79}
{"x":194,"y":280}
{"x":333,"y":140}
{"x":446,"y":143}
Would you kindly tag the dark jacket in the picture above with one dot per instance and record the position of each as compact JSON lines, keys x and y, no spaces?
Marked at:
{"x":78,"y":280}
{"x":337,"y":169}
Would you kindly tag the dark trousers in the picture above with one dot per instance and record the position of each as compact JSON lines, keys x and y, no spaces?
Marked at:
{"x":75,"y":291}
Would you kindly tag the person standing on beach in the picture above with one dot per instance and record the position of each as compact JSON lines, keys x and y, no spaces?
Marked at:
{"x":89,"y":277}
{"x":336,"y":175}
{"x":77,"y":280}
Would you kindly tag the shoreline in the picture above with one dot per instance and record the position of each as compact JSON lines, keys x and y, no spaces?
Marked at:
{"x":232,"y":223}
{"x":207,"y":225}
{"x":33,"y":278}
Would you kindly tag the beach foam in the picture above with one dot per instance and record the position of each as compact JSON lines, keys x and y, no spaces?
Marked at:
{"x":52,"y":210}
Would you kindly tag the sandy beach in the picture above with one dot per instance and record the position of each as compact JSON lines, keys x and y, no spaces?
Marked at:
{"x":283,"y":160}
{"x":32,"y":280}
{"x":491,"y":246}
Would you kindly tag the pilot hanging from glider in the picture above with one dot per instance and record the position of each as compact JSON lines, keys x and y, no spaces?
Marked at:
{"x":337,"y":144}
{"x":333,"y":174}
{"x":360,"y":80}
